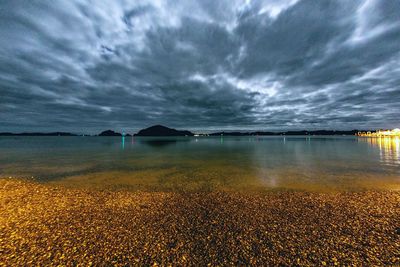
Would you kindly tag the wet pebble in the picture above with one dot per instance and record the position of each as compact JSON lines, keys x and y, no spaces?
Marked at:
{"x":47,"y":225}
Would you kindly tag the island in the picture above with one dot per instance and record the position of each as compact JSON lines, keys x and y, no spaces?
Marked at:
{"x":109,"y":133}
{"x":160,"y":130}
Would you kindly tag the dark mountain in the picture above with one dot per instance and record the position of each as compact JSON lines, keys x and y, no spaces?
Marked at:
{"x":159,"y":130}
{"x":109,"y":133}
{"x":38,"y":134}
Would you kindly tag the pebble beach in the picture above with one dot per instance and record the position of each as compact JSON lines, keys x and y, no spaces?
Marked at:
{"x":49,"y":225}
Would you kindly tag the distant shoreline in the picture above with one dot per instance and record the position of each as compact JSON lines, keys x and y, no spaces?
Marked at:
{"x":160,"y":130}
{"x":223,"y":133}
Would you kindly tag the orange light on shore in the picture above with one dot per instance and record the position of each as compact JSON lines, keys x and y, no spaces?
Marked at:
{"x":381,"y":133}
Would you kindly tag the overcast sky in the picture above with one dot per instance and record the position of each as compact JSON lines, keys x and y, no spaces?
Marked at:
{"x":86,"y":66}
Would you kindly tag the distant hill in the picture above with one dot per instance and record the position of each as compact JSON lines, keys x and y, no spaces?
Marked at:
{"x":38,"y":134}
{"x":317,"y":132}
{"x":159,"y":130}
{"x":109,"y":133}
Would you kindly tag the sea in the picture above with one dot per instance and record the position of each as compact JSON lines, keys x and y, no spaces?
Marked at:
{"x":187,"y":164}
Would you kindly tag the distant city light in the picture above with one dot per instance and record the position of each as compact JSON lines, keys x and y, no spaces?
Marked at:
{"x":381,"y":133}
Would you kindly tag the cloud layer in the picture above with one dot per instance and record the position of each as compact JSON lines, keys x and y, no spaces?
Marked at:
{"x":85,"y":66}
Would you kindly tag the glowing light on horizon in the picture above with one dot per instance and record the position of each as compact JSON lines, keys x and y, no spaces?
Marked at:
{"x":381,"y":133}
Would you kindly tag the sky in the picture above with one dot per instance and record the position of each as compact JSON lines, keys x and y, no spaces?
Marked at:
{"x":86,"y":66}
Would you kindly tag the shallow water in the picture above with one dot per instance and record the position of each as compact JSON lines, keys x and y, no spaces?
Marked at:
{"x":316,"y":163}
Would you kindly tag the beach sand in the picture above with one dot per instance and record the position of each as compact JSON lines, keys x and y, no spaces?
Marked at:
{"x":51,"y":225}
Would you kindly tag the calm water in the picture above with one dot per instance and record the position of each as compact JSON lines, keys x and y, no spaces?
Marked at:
{"x":205,"y":163}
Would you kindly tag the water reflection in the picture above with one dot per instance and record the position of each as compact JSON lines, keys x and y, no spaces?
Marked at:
{"x":159,"y":142}
{"x":222,"y":162}
{"x":389,"y":148}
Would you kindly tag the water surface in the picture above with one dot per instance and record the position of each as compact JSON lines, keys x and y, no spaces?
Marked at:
{"x":205,"y":163}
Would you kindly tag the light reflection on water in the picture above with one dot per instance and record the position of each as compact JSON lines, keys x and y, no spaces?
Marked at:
{"x":203,"y":163}
{"x":389,"y":148}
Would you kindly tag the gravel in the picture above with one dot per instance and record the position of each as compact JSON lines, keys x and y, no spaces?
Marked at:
{"x":53,"y":225}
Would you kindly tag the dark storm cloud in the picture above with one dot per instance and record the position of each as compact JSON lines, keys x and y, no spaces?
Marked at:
{"x":277,"y":64}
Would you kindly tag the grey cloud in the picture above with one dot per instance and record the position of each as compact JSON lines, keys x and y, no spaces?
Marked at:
{"x":134,"y":12}
{"x":277,"y":64}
